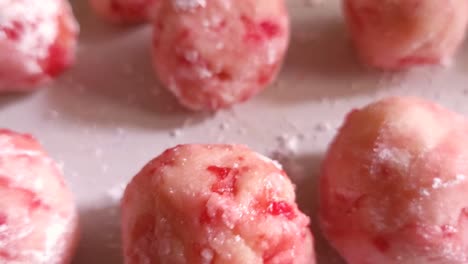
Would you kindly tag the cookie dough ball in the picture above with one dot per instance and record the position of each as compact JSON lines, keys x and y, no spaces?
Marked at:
{"x":214,"y":54}
{"x":38,"y":220}
{"x":37,"y":42}
{"x":216,"y":204}
{"x":125,"y":11}
{"x":398,"y":34}
{"x":394,"y":185}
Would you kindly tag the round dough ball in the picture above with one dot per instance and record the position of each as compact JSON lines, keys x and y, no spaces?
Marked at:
{"x":215,"y":204}
{"x":37,"y":42}
{"x":394,"y":185}
{"x":125,"y":11}
{"x":38,"y":220}
{"x":398,"y":34}
{"x":213,"y":54}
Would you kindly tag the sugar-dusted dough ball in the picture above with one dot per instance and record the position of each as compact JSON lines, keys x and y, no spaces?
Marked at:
{"x":397,"y":34}
{"x":125,"y":11}
{"x":214,"y":54}
{"x":38,"y":220}
{"x":216,"y":204}
{"x":37,"y":42}
{"x":394,"y":185}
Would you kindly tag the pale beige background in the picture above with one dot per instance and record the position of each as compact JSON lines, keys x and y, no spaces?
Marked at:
{"x":107,"y":117}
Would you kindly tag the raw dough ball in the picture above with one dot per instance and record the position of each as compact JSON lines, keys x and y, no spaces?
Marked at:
{"x":125,"y":11}
{"x":394,"y":185}
{"x":215,"y":204}
{"x":213,"y":54}
{"x":37,"y":42}
{"x":38,"y":221}
{"x":397,"y":34}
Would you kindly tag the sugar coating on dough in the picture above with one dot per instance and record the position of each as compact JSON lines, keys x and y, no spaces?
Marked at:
{"x":213,"y":54}
{"x":37,"y":42}
{"x":394,"y":184}
{"x":398,"y":34}
{"x":38,"y":220}
{"x":213,"y":204}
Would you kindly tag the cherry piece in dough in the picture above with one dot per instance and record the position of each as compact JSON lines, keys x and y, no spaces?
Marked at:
{"x":125,"y":11}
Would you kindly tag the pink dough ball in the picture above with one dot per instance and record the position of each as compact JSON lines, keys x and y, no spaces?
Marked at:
{"x":38,"y":220}
{"x":198,"y":204}
{"x":394,"y":185}
{"x":214,"y":54}
{"x":398,"y":34}
{"x":125,"y":11}
{"x":37,"y":42}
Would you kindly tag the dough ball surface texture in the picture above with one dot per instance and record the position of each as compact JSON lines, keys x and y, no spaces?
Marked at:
{"x":394,"y":185}
{"x":38,"y":219}
{"x":213,"y":204}
{"x":213,"y":54}
{"x":398,"y":34}
{"x":37,"y":42}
